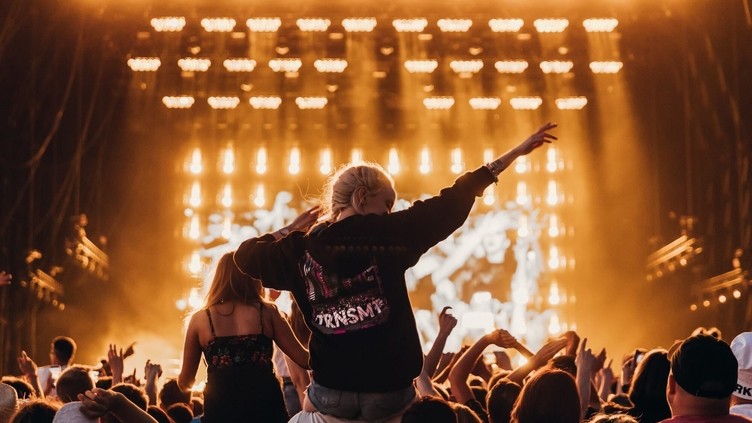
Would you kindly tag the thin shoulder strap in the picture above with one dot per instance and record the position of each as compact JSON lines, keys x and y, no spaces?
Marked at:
{"x":261,"y":315}
{"x":211,"y":324}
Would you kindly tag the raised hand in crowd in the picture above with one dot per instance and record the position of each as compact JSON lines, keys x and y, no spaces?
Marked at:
{"x":539,"y":359}
{"x":604,"y":379}
{"x":152,"y":372}
{"x":29,"y":369}
{"x":460,"y":372}
{"x":587,"y":366}
{"x":573,"y":341}
{"x":99,"y":402}
{"x":116,"y":362}
{"x":447,"y":323}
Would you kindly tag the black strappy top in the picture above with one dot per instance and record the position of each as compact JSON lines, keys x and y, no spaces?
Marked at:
{"x":238,"y":350}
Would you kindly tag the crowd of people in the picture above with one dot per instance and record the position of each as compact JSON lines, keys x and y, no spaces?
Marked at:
{"x":349,"y":350}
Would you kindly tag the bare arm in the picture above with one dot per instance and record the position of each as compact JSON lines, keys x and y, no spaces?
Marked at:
{"x":538,"y":360}
{"x":29,"y":369}
{"x":191,"y":356}
{"x":537,"y":139}
{"x":99,"y":402}
{"x":447,"y":322}
{"x":459,"y":373}
{"x":586,"y":364}
{"x":299,"y":376}
{"x":287,"y":342}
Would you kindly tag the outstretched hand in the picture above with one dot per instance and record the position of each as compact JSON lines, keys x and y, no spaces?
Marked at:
{"x":537,"y":139}
{"x":115,"y":360}
{"x":447,"y":322}
{"x":27,"y":365}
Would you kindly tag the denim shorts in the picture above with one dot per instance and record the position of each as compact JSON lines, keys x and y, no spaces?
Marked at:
{"x":370,"y":406}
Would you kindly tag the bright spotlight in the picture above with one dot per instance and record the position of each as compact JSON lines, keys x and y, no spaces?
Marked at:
{"x":218,"y":24}
{"x":168,"y":24}
{"x":194,"y":64}
{"x":330,"y":65}
{"x":285,"y":65}
{"x":144,"y":64}
{"x":485,"y":103}
{"x":571,"y":103}
{"x":359,"y":24}
{"x":421,"y":66}
{"x":551,"y":25}
{"x":600,"y":24}
{"x":454,"y":25}
{"x":311,"y":102}
{"x":294,"y":166}
{"x":525,"y":103}
{"x":239,"y":65}
{"x":264,"y":24}
{"x":178,"y":102}
{"x":265,"y":102}
{"x":313,"y":24}
{"x":511,"y":66}
{"x":556,"y":66}
{"x":606,"y":66}
{"x":223,"y":102}
{"x":505,"y":25}
{"x":425,"y":161}
{"x":394,"y":163}
{"x":466,"y":66}
{"x":438,"y":103}
{"x":410,"y":25}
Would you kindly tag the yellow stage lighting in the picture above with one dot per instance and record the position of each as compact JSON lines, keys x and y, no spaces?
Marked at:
{"x":523,"y":197}
{"x":571,"y":103}
{"x":706,"y":303}
{"x":260,"y":198}
{"x":359,"y":24}
{"x":425,"y":161}
{"x":466,"y":66}
{"x":553,"y":258}
{"x":505,"y":25}
{"x":218,"y":24}
{"x":239,"y":65}
{"x":194,"y":266}
{"x":223,"y":102}
{"x":356,"y":156}
{"x":178,"y":102}
{"x":552,"y":195}
{"x":454,"y":25}
{"x":522,"y":227}
{"x":195,"y":198}
{"x":313,"y":24}
{"x":522,"y":164}
{"x":551,"y":25}
{"x":553,"y":226}
{"x":168,"y":24}
{"x":606,"y":66}
{"x":410,"y":25}
{"x":600,"y":24}
{"x":261,"y":161}
{"x":553,"y":294}
{"x":264,"y":24}
{"x":285,"y":65}
{"x":326,"y":161}
{"x":488,"y":155}
{"x":438,"y":103}
{"x":457,"y":165}
{"x":394,"y":163}
{"x":228,"y":161}
{"x":144,"y":64}
{"x":196,"y":167}
{"x":194,"y":64}
{"x":270,"y":102}
{"x":552,"y":160}
{"x":554,"y":327}
{"x":226,"y":199}
{"x":194,"y":230}
{"x":311,"y":102}
{"x":227,"y":227}
{"x":556,"y":66}
{"x":737,"y":294}
{"x":525,"y":103}
{"x":488,"y":196}
{"x":485,"y":103}
{"x":722,"y":299}
{"x":294,"y":166}
{"x":511,"y":66}
{"x":330,"y":65}
{"x":421,"y":66}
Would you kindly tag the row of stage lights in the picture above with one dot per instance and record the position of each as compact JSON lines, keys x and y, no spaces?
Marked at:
{"x":722,"y":298}
{"x":367,"y":24}
{"x":430,"y":103}
{"x":464,"y":68}
{"x":227,"y":163}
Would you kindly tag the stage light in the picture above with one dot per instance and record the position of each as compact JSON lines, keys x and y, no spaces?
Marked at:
{"x":264,"y":24}
{"x":313,"y":24}
{"x":194,"y":230}
{"x":606,"y":66}
{"x":311,"y":102}
{"x":485,"y":103}
{"x":438,"y":103}
{"x":265,"y":102}
{"x":226,"y":199}
{"x":522,"y":227}
{"x":457,"y":165}
{"x":359,"y":24}
{"x":736,"y":294}
{"x":294,"y":166}
{"x":218,"y":24}
{"x":722,"y":299}
{"x":330,"y":65}
{"x":326,"y":161}
{"x":523,"y":197}
{"x":525,"y":103}
{"x":227,"y":227}
{"x":571,"y":103}
{"x":194,"y":200}
{"x":693,"y":307}
{"x":144,"y":64}
{"x":261,"y":161}
{"x":522,"y":164}
{"x":178,"y":102}
{"x":421,"y":66}
{"x":556,"y":66}
{"x":706,"y":303}
{"x":454,"y":25}
{"x":410,"y":25}
{"x":511,"y":66}
{"x":196,"y":167}
{"x":488,"y":155}
{"x":285,"y":65}
{"x":553,"y":257}
{"x":194,"y":64}
{"x":356,"y":156}
{"x":259,"y":199}
{"x":554,"y":327}
{"x":488,"y":196}
{"x":551,"y":25}
{"x":505,"y":25}
{"x":228,"y":162}
{"x":239,"y":65}
{"x":481,"y":320}
{"x":553,"y":226}
{"x":394,"y":163}
{"x":552,"y":161}
{"x":425,"y":161}
{"x":223,"y":102}
{"x":168,"y":24}
{"x":600,"y":24}
{"x":466,"y":66}
{"x":552,"y":195}
{"x":194,"y":266}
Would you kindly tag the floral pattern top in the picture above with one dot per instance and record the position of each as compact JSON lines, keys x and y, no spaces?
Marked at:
{"x":238,"y":351}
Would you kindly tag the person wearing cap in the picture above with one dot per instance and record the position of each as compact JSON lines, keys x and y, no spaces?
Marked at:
{"x":741,"y":399}
{"x":702,"y":379}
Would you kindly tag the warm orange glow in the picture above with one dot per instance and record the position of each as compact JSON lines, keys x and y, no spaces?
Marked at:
{"x":239,"y":65}
{"x":600,"y":24}
{"x":359,"y":24}
{"x":178,"y":102}
{"x":330,"y":65}
{"x":194,"y":264}
{"x":194,"y":230}
{"x":488,"y":155}
{"x":553,"y":257}
{"x":394,"y":163}
{"x":553,"y":294}
{"x":485,"y":103}
{"x":488,"y":196}
{"x":457,"y":164}
{"x":571,"y":103}
{"x":144,"y":64}
{"x":553,"y":226}
{"x":551,"y":160}
{"x":259,"y":199}
{"x":326,"y":161}
{"x":227,"y":227}
{"x":737,"y":294}
{"x":223,"y":102}
{"x":218,"y":24}
{"x":264,"y":24}
{"x":554,"y":327}
{"x":269,"y":102}
{"x":311,"y":102}
{"x":525,"y":103}
{"x":522,"y":164}
{"x":505,"y":25}
{"x":410,"y":25}
{"x":196,"y":167}
{"x":194,"y":64}
{"x":522,"y":195}
{"x":522,"y":228}
{"x":556,"y":66}
{"x":438,"y":103}
{"x":294,"y":166}
{"x":466,"y":66}
{"x":168,"y":24}
{"x":195,"y":198}
{"x":551,"y":25}
{"x":228,"y":160}
{"x":454,"y":25}
{"x":285,"y":65}
{"x":606,"y":67}
{"x":421,"y":66}
{"x":722,"y":299}
{"x":313,"y":24}
{"x":425,"y":161}
{"x":511,"y":66}
{"x":226,"y":196}
{"x":356,"y":156}
{"x":552,"y":195}
{"x":261,"y":161}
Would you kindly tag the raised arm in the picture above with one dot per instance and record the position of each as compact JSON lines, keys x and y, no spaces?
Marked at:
{"x":29,"y":369}
{"x":191,"y":355}
{"x":99,"y":402}
{"x":537,"y":139}
{"x":447,"y":323}
{"x":459,"y":373}
{"x":538,"y":360}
